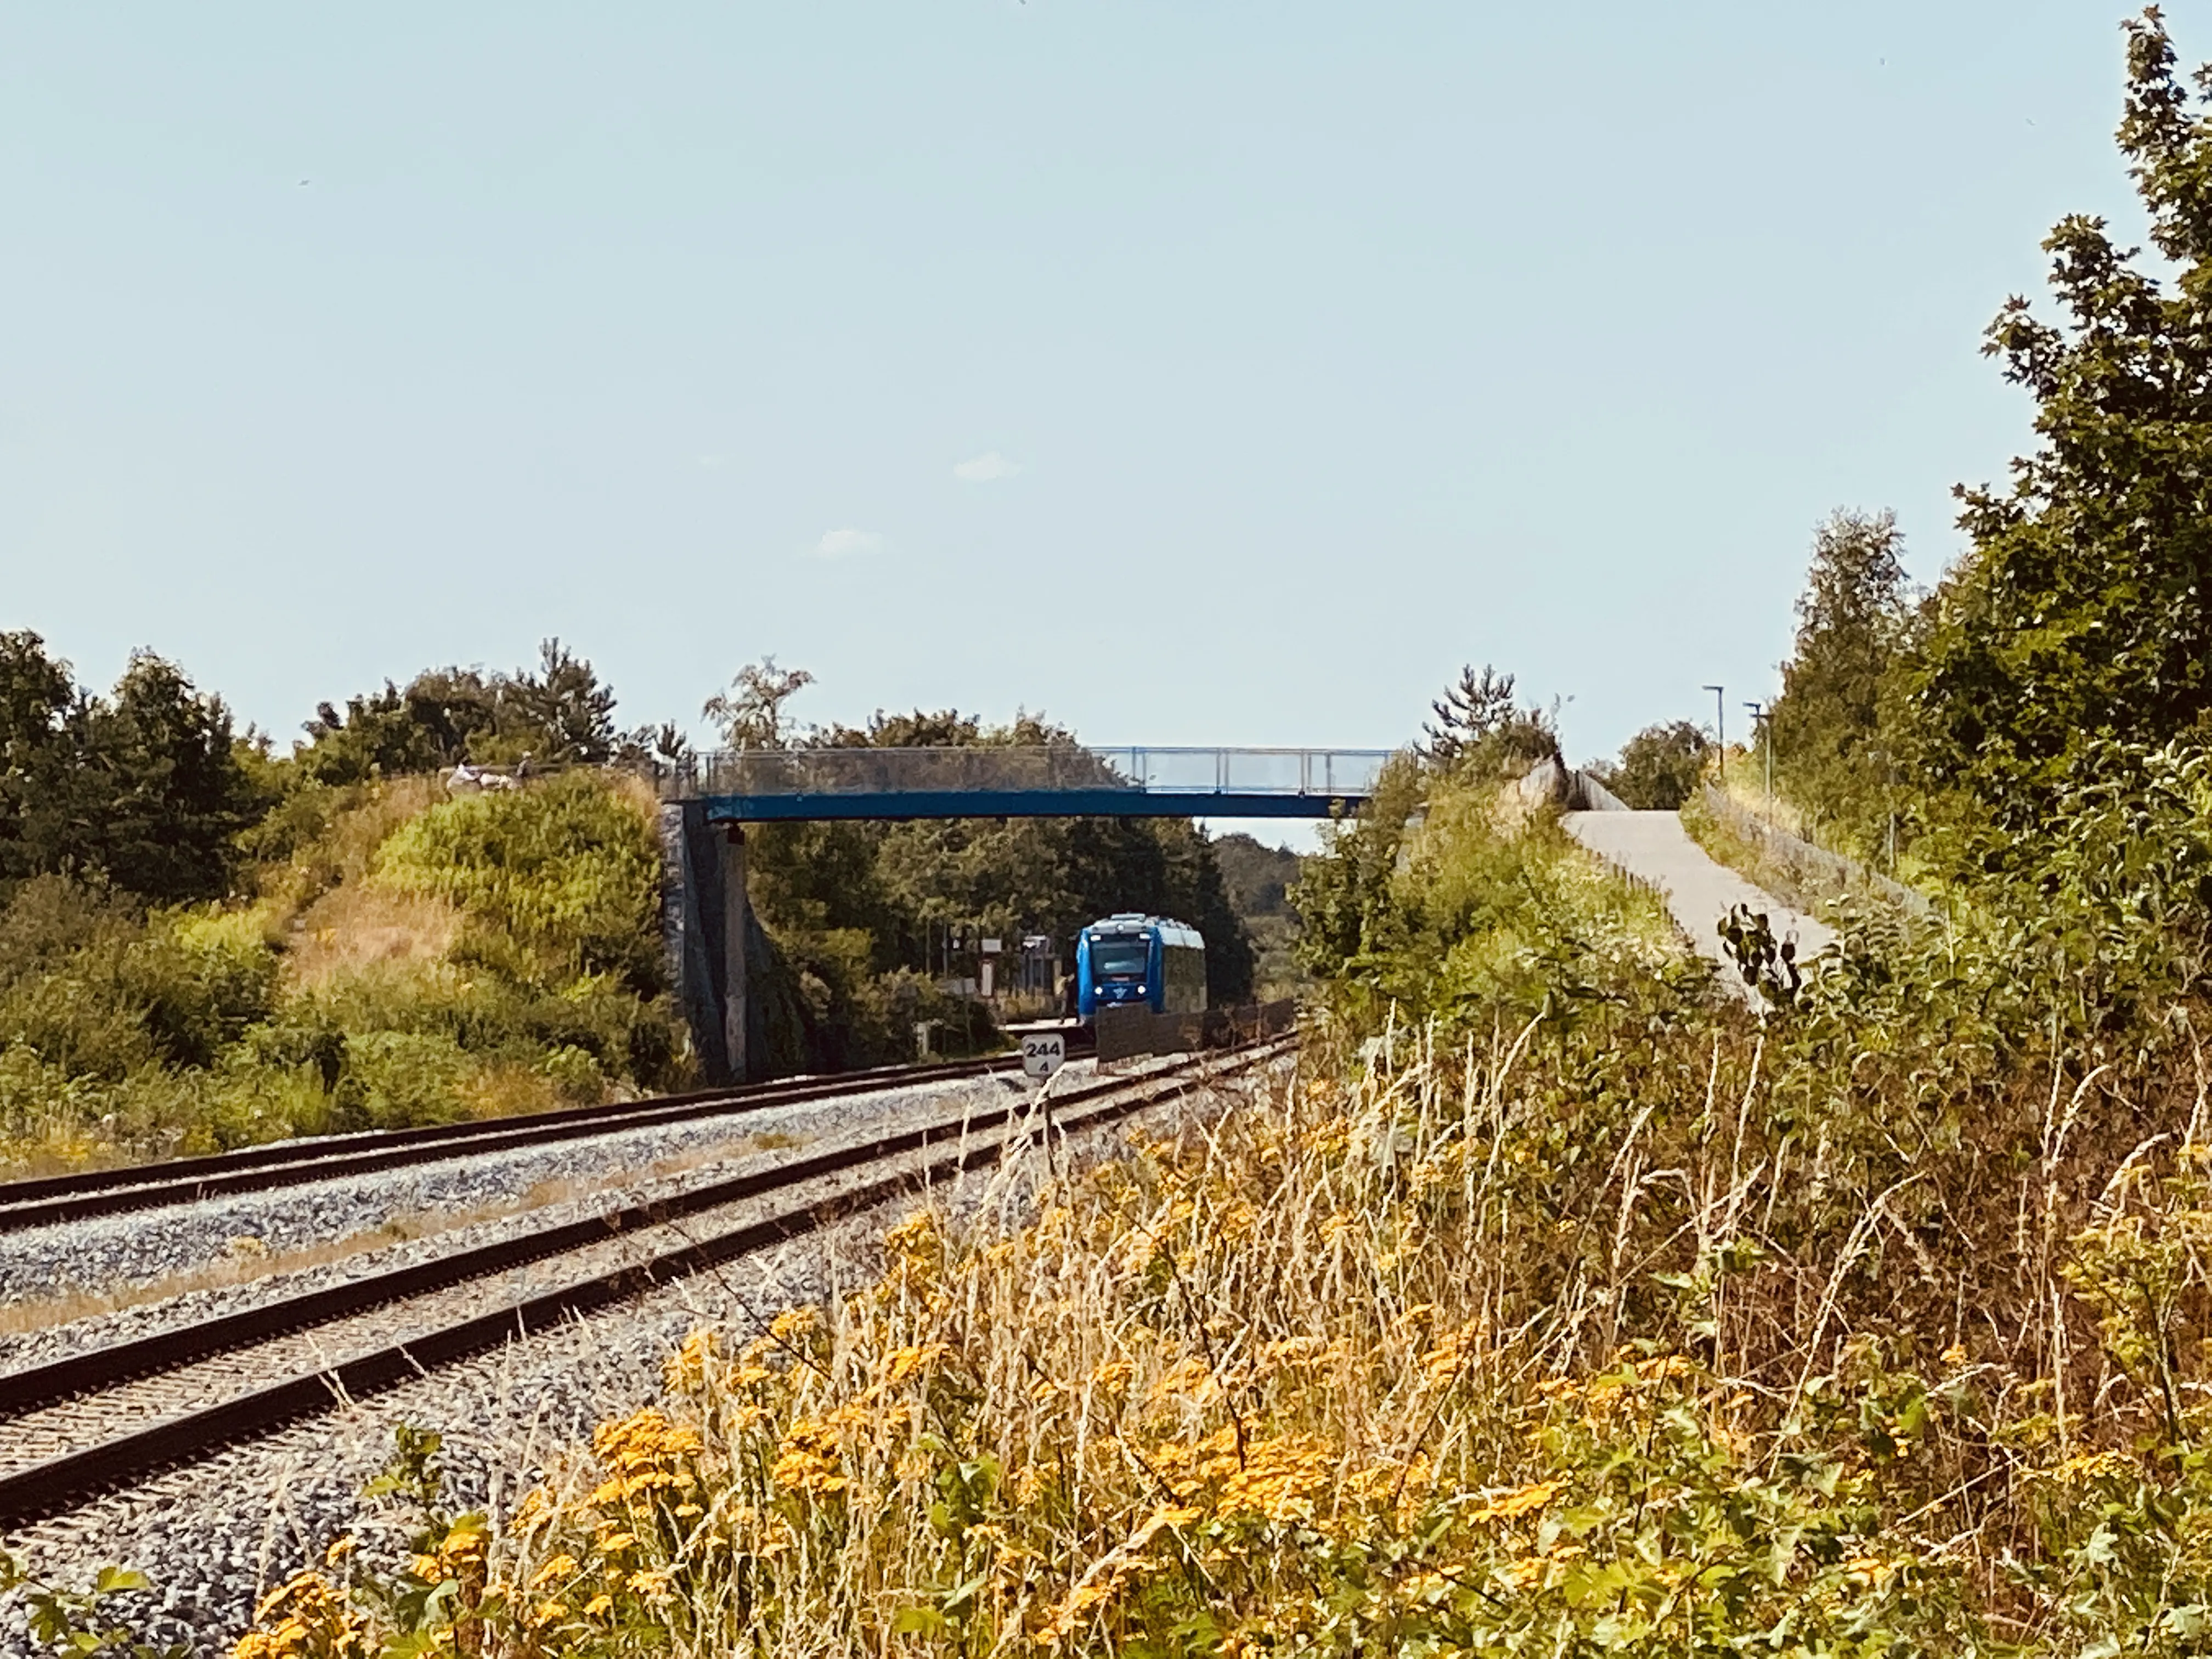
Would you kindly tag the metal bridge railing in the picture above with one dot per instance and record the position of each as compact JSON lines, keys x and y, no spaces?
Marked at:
{"x":1000,"y":768}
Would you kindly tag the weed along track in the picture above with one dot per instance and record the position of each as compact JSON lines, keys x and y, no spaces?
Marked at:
{"x":97,"y":1423}
{"x":49,"y":1201}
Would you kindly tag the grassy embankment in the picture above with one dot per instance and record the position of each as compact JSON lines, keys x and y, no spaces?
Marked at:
{"x":1762,"y":837}
{"x":404,"y":959}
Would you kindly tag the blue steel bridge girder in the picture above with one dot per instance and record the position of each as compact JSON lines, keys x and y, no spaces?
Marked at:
{"x":996,"y":781}
{"x":896,"y":804}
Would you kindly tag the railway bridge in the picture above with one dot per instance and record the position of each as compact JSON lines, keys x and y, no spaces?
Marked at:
{"x":707,"y":800}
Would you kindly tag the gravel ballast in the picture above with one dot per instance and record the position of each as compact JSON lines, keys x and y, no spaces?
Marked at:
{"x":213,"y":1536}
{"x":106,"y":1254}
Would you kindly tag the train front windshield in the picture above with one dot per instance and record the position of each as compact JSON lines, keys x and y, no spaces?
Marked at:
{"x":1119,"y":958}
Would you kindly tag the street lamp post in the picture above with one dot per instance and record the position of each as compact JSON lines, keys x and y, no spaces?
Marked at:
{"x":1720,"y":728}
{"x":1762,"y":731}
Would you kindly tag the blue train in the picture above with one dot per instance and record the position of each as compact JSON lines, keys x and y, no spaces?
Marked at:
{"x":1133,"y":961}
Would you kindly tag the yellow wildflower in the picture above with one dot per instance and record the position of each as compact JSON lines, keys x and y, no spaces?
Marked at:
{"x":1523,"y":1500}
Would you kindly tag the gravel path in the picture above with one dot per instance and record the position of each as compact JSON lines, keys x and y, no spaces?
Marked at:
{"x":213,"y":1536}
{"x":1698,"y":890}
{"x":105,"y":1253}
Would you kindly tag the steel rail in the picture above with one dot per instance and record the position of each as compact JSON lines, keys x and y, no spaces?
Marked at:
{"x":113,"y":1192}
{"x":58,"y":1483}
{"x":338,"y":1146}
{"x":43,"y":1385}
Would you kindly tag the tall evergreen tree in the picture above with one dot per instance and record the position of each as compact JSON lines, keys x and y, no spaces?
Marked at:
{"x":564,"y":708}
{"x":1478,"y":725}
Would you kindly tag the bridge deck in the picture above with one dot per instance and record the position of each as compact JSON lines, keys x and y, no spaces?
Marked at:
{"x":1003,"y":780}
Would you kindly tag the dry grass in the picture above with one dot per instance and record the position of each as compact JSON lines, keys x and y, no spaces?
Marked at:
{"x":1441,"y":1361}
{"x":361,"y":925}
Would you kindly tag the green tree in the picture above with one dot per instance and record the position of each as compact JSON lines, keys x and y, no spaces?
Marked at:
{"x":564,"y":712}
{"x":38,"y":781}
{"x":457,"y":707}
{"x":160,"y":762}
{"x":751,"y":712}
{"x":1659,"y":766}
{"x":1833,"y":727}
{"x":1478,"y":727}
{"x":561,"y":713}
{"x":2083,"y":611}
{"x":379,"y":734}
{"x":145,"y":788}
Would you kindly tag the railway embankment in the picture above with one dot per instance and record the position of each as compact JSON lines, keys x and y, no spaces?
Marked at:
{"x":257,"y":1499}
{"x":74,"y":1284}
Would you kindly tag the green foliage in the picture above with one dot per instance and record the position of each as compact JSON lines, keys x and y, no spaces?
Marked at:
{"x":1658,"y":767}
{"x":36,"y":757}
{"x":562,"y":706}
{"x":750,"y":715}
{"x":1467,"y":914}
{"x":181,"y":1029}
{"x":1836,"y":730}
{"x":1769,"y":966}
{"x":90,"y":985}
{"x":84,"y":1624}
{"x":1479,"y":729}
{"x":569,"y":870}
{"x":1346,"y":890}
{"x":143,"y":787}
{"x":559,"y":713}
{"x":2084,"y":611}
{"x":380,"y":734}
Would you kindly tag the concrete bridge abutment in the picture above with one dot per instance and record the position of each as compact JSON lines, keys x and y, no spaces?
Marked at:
{"x":710,"y":940}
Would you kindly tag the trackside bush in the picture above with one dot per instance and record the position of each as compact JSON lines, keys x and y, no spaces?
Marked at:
{"x":412,"y":958}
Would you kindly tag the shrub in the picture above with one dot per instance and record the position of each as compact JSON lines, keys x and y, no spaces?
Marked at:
{"x":396,"y":1079}
{"x":569,"y":869}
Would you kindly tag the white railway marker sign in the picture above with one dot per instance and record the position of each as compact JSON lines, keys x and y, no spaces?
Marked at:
{"x":1043,"y":1053}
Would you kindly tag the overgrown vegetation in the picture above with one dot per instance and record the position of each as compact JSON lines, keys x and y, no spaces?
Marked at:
{"x":208,"y":943}
{"x":1559,"y":1305}
{"x":418,"y":959}
{"x":1659,"y":769}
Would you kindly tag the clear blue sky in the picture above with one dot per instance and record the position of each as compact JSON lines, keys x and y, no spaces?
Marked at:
{"x":1195,"y":372}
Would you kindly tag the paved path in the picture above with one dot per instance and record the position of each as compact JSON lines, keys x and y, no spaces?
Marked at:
{"x":1699,"y":891}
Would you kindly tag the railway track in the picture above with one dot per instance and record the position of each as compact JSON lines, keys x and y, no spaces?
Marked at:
{"x":103,"y":1421}
{"x":48,"y":1201}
